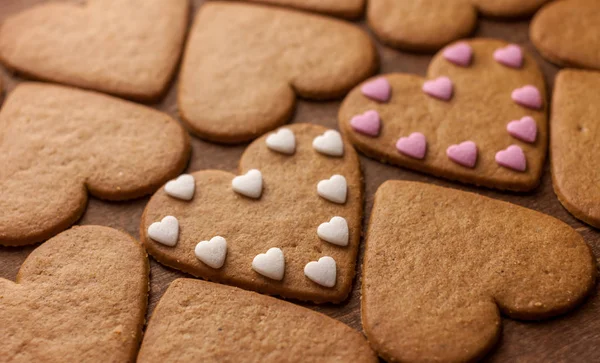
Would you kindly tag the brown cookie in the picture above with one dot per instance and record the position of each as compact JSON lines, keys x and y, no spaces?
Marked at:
{"x":245,"y":63}
{"x":479,"y":119}
{"x":58,"y":143}
{"x":198,"y":321}
{"x":428,"y":25}
{"x":566,"y":33}
{"x":80,"y":297}
{"x":441,"y":265}
{"x":574,"y":146}
{"x":350,"y":9}
{"x":128,"y":48}
{"x":282,"y":208}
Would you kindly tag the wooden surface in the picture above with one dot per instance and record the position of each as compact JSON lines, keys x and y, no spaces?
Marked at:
{"x":572,"y":338}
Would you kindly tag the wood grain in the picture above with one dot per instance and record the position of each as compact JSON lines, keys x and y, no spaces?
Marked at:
{"x":574,"y":337}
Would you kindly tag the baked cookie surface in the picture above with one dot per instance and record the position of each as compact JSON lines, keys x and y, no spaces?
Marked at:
{"x":79,"y":297}
{"x":440,"y":266}
{"x":350,"y":9}
{"x":428,"y":25}
{"x":483,"y":122}
{"x":245,"y":64}
{"x":129,"y":48}
{"x":566,"y":33}
{"x":575,"y":143}
{"x":59,"y":143}
{"x":197,"y":320}
{"x":273,"y":209}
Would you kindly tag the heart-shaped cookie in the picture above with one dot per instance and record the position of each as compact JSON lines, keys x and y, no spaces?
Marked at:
{"x":350,"y":9}
{"x":574,"y":146}
{"x":457,"y":260}
{"x":486,"y":97}
{"x":79,"y":297}
{"x":245,"y":64}
{"x":430,"y":24}
{"x":566,"y":33}
{"x":286,"y":217}
{"x":198,"y":321}
{"x":58,"y":143}
{"x":125,"y":47}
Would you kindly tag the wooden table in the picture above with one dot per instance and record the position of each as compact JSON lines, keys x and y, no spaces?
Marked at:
{"x":572,"y":338}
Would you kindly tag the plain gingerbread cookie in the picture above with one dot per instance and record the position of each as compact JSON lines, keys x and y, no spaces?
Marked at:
{"x":471,"y":108}
{"x":428,"y":25}
{"x":566,"y":33}
{"x":58,"y":143}
{"x":274,"y":208}
{"x":198,"y":321}
{"x":350,"y":9}
{"x":574,"y":145}
{"x":245,"y":64}
{"x":129,"y":48}
{"x":441,"y":265}
{"x":79,"y":297}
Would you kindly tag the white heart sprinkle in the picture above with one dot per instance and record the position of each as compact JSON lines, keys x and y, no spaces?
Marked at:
{"x":335,"y":231}
{"x":183,"y":187}
{"x":330,"y":143}
{"x":270,"y":264}
{"x":333,"y":189}
{"x":212,"y":252}
{"x":249,"y":184}
{"x":282,"y":141}
{"x":166,"y":231}
{"x":322,"y":272}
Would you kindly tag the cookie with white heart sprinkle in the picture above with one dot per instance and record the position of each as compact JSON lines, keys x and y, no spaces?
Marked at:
{"x":279,"y":213}
{"x":199,"y":321}
{"x":459,"y":122}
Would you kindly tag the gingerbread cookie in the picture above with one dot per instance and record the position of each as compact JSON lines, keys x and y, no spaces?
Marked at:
{"x":58,"y":143}
{"x":128,"y":48}
{"x":289,"y":224}
{"x":201,"y":321}
{"x":80,"y":297}
{"x":574,"y":147}
{"x":428,"y":25}
{"x":440,"y":269}
{"x":350,"y":9}
{"x":479,"y":118}
{"x":245,"y":63}
{"x":566,"y":33}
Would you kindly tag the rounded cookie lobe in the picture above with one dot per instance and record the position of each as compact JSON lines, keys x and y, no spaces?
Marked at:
{"x":350,"y":9}
{"x":202,"y":321}
{"x":81,"y":296}
{"x":286,"y":216}
{"x":241,"y":74}
{"x":133,"y":57}
{"x":456,"y":261}
{"x":575,"y":150}
{"x":566,"y":33}
{"x":425,"y":25}
{"x":58,"y":143}
{"x":479,"y":110}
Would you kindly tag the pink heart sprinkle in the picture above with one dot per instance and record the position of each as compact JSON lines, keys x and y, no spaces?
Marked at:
{"x":528,"y":96}
{"x":440,"y":88}
{"x":510,"y":56}
{"x":524,"y":129}
{"x":512,"y":157}
{"x":464,"y":153}
{"x":415,"y":145}
{"x":368,"y":123}
{"x":459,"y":54}
{"x":378,"y":89}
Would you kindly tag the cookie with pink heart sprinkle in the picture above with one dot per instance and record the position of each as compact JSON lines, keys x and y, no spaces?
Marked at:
{"x":465,"y":115}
